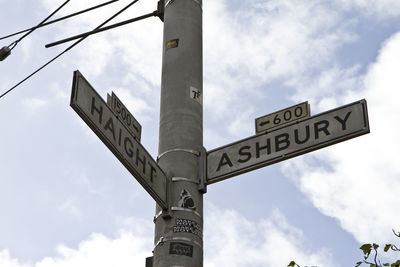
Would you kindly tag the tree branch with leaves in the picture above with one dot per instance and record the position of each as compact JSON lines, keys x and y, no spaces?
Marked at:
{"x":372,"y":249}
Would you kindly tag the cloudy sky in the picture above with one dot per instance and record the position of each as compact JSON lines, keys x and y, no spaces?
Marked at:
{"x":65,"y":200}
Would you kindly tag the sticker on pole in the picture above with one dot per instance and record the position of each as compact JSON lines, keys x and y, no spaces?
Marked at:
{"x":179,"y":248}
{"x":195,"y":94}
{"x":173,"y":43}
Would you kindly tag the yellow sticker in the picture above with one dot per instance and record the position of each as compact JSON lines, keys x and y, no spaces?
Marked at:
{"x":173,"y":43}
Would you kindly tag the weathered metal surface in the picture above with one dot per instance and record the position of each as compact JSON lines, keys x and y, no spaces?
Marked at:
{"x":98,"y":116}
{"x":297,"y":138}
{"x":282,"y":117}
{"x":178,"y":241}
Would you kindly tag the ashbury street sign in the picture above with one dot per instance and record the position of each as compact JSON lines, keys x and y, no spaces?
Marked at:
{"x":291,"y":140}
{"x":101,"y":119}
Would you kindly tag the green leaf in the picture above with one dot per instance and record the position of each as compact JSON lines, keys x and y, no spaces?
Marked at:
{"x":387,"y":247}
{"x":376,"y":246}
{"x":396,"y":264}
{"x":366,"y":248}
{"x":358,"y":263}
{"x":291,"y":264}
{"x":386,"y":264}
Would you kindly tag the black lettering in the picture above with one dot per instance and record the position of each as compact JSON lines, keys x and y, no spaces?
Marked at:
{"x":343,"y":122}
{"x":300,"y":109}
{"x":98,"y":110}
{"x":152,"y":170}
{"x":110,"y":126}
{"x":119,"y":137}
{"x":259,"y":148}
{"x":321,"y":126}
{"x":282,"y":139}
{"x":246,"y":154}
{"x":224,"y":161}
{"x":143,"y":161}
{"x":296,"y":136}
{"x":129,"y":150}
{"x":128,"y":119}
{"x":136,"y":128}
{"x":289,"y":115}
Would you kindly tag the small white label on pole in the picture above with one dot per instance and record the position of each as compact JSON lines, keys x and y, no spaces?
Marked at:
{"x":195,"y":94}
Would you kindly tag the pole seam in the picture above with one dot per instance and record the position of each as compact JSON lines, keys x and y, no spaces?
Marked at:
{"x":184,"y":179}
{"x":187,"y":210}
{"x":191,"y":151}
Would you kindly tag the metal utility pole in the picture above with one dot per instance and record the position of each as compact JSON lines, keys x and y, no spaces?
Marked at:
{"x":179,"y":230}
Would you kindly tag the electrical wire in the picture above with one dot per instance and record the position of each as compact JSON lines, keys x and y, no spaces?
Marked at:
{"x":59,"y":19}
{"x":67,"y":49}
{"x":152,"y":14}
{"x":15,"y":43}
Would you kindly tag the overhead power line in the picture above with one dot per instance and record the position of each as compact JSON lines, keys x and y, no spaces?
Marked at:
{"x":157,"y":13}
{"x":59,"y":19}
{"x":86,"y":34}
{"x":67,"y":49}
{"x":6,"y":50}
{"x":14,"y":44}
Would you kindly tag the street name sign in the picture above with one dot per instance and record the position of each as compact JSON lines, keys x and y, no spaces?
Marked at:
{"x":282,"y":117}
{"x":101,"y":119}
{"x":124,"y":115}
{"x":295,"y":139}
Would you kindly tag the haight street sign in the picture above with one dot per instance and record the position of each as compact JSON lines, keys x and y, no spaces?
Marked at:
{"x":295,"y":139}
{"x":98,"y":116}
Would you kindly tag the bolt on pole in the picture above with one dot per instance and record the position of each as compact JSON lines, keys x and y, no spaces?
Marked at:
{"x":179,"y":230}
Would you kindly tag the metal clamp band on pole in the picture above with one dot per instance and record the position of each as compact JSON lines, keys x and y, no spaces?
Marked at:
{"x":187,"y":210}
{"x":171,"y":1}
{"x":157,"y":216}
{"x":191,"y":151}
{"x":183,"y":179}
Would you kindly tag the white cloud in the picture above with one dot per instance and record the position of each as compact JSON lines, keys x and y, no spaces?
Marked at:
{"x":244,"y":49}
{"x":329,"y":89}
{"x":380,"y":8}
{"x":136,"y":105}
{"x":231,"y":240}
{"x":99,"y":250}
{"x":34,"y":105}
{"x":7,"y":261}
{"x":129,"y":248}
{"x":359,"y":184}
{"x":68,"y":206}
{"x":268,"y":41}
{"x":127,"y":57}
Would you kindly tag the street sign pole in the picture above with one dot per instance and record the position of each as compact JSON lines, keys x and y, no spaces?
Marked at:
{"x":178,"y":180}
{"x":179,"y":228}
